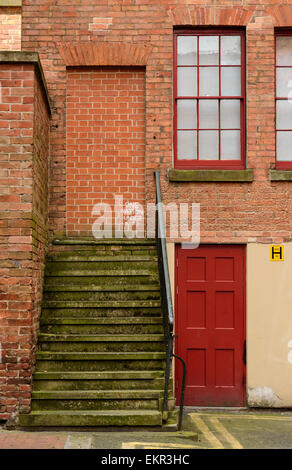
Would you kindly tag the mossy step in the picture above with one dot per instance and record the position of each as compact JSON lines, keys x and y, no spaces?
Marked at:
{"x":82,"y":363}
{"x":114,"y":281}
{"x":103,"y":241}
{"x":92,"y":418}
{"x":99,"y":338}
{"x":104,"y":356}
{"x":96,"y":404}
{"x":101,"y":321}
{"x":88,"y":313}
{"x":123,"y":263}
{"x":97,"y":394}
{"x":99,"y":272}
{"x":100,"y":375}
{"x":101,"y":384}
{"x":101,"y":303}
{"x":93,"y":346}
{"x":103,"y":329}
{"x":100,"y":296}
{"x":89,"y":257}
{"x":49,"y":287}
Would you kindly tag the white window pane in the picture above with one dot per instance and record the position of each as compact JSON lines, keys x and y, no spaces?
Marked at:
{"x":208,"y":50}
{"x":284,"y":146}
{"x":284,"y":82}
{"x":208,"y":114}
{"x":230,"y":145}
{"x":231,"y":81}
{"x":209,"y":81}
{"x":186,"y":145}
{"x":186,"y":81}
{"x":208,"y":145}
{"x":284,"y":50}
{"x":186,"y":50}
{"x":186,"y":114}
{"x":230,"y":50}
{"x":230,"y":114}
{"x":284,"y":114}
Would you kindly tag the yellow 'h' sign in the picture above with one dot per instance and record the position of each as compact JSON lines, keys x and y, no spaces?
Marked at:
{"x":276,"y":252}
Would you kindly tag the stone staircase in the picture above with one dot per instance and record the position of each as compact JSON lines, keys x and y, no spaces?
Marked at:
{"x":101,"y":355}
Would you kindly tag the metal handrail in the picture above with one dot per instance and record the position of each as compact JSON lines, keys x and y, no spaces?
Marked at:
{"x":166,"y":298}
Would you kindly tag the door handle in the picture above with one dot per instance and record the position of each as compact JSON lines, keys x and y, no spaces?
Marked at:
{"x":244,"y":353}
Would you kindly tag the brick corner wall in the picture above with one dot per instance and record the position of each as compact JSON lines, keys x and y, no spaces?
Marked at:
{"x":24,"y":143}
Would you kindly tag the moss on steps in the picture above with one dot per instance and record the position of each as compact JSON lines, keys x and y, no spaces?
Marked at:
{"x":100,"y":360}
{"x":92,"y":418}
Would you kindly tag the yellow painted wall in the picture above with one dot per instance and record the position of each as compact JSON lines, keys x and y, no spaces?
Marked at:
{"x":269,"y":327}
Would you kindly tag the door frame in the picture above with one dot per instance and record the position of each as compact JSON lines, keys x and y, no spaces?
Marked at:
{"x":178,"y":375}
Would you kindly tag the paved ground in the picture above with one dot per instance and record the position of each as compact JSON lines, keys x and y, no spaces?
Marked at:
{"x":218,"y":429}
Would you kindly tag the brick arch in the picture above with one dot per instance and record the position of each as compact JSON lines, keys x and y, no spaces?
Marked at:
{"x":281,"y":14}
{"x":212,"y":15}
{"x":103,"y":54}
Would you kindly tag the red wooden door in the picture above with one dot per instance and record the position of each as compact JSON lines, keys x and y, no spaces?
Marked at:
{"x":210,"y":324}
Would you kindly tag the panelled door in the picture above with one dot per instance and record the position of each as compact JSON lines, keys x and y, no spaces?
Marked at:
{"x":210,"y":324}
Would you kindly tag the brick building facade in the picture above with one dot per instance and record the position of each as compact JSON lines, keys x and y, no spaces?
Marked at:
{"x":94,"y":117}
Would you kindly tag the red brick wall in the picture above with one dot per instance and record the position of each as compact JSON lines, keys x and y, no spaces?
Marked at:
{"x":10,"y":29}
{"x":40,"y":197}
{"x":23,"y":115}
{"x":105,"y":141}
{"x":229,"y":212}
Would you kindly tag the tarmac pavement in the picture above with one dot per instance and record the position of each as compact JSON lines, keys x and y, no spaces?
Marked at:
{"x":202,"y":429}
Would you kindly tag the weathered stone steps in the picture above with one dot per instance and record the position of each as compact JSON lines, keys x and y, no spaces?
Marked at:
{"x":101,"y":303}
{"x":56,"y":287}
{"x":100,"y":296}
{"x":101,"y":353}
{"x":100,"y":343}
{"x":103,"y":329}
{"x":101,"y":312}
{"x":96,"y":399}
{"x":100,"y":320}
{"x":94,"y":418}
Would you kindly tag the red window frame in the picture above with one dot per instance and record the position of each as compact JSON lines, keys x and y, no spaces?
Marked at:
{"x":280,"y":165}
{"x":212,"y":164}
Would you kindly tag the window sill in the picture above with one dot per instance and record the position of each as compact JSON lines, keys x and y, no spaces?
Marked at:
{"x":224,"y":176}
{"x":280,"y":175}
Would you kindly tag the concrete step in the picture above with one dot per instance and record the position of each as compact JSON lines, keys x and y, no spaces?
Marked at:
{"x":102,"y":282}
{"x":100,"y":375}
{"x":95,"y":268}
{"x":96,"y":399}
{"x":87,"y":418}
{"x":88,"y":241}
{"x":102,"y":304}
{"x":99,"y":296}
{"x":100,"y":320}
{"x":100,"y":343}
{"x":58,"y":287}
{"x":103,"y":329}
{"x":107,"y":273}
{"x":96,"y":394}
{"x":100,"y":312}
{"x":99,"y":361}
{"x":59,"y":356}
{"x":100,"y":380}
{"x":100,"y":384}
{"x":87,"y":256}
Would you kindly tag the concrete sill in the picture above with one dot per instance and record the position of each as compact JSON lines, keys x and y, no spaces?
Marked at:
{"x":280,"y":175}
{"x":224,"y":176}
